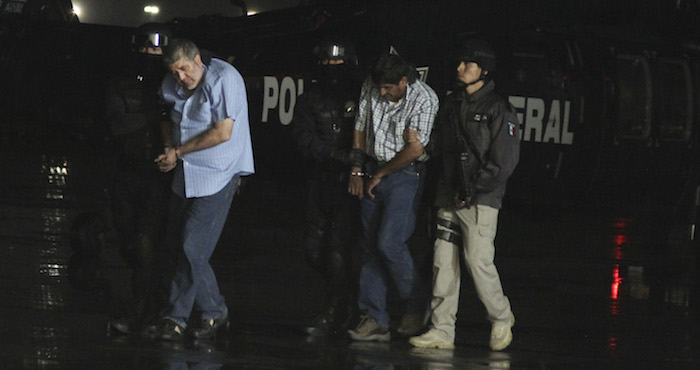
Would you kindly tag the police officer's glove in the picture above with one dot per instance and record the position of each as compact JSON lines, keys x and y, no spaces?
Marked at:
{"x":342,"y":156}
{"x":357,"y":158}
{"x":462,"y":201}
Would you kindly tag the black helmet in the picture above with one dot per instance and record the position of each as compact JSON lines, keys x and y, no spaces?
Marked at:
{"x":478,"y":51}
{"x":335,"y":50}
{"x":151,"y":35}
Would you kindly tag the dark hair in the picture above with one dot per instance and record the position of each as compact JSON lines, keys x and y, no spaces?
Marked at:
{"x":178,"y":49}
{"x":391,"y":68}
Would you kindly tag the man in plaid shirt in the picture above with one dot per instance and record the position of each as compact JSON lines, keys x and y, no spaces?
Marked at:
{"x":387,"y":176}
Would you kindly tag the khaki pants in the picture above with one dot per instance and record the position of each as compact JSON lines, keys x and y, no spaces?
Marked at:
{"x":478,"y":230}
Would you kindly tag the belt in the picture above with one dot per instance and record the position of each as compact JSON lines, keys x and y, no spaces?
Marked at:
{"x":417,"y":163}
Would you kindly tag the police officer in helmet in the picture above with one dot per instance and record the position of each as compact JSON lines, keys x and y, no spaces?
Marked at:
{"x":323,"y":130}
{"x":139,"y":191}
{"x":476,"y":143}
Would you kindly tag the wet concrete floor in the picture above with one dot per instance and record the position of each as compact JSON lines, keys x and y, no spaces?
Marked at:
{"x":591,"y":289}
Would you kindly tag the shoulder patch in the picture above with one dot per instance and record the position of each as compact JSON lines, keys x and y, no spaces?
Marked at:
{"x":512,"y":128}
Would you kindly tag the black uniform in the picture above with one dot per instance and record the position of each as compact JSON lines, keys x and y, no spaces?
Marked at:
{"x":139,"y":191}
{"x":484,"y":127}
{"x":324,"y":120}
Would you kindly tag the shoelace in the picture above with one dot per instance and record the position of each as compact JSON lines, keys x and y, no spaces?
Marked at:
{"x":363,"y":322}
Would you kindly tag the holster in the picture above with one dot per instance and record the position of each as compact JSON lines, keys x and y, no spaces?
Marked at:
{"x":467,"y":169}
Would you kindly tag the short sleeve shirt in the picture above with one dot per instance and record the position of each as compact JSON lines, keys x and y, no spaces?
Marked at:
{"x":221,"y":95}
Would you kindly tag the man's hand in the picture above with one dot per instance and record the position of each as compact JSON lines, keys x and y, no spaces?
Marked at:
{"x":356,"y":184}
{"x":167,"y":161}
{"x":371,"y":184}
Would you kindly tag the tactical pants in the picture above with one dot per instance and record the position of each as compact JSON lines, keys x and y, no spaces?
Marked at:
{"x":477,"y":226}
{"x":332,"y":222}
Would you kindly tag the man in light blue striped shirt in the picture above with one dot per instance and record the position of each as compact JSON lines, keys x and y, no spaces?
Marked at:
{"x":210,"y":148}
{"x":387,"y":177}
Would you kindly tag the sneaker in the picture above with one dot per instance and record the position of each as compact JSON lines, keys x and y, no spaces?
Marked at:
{"x":411,"y":324}
{"x":431,"y":339}
{"x":208,"y":327}
{"x":369,"y":330}
{"x":169,"y":330}
{"x":501,"y":335}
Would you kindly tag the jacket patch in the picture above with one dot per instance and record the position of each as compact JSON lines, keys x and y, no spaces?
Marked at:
{"x":512,"y":128}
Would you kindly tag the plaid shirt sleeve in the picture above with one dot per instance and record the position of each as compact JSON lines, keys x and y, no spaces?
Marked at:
{"x":424,"y":114}
{"x":364,"y":106}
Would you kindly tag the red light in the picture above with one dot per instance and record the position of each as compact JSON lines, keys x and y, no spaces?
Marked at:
{"x":620,"y":239}
{"x":617,"y":280}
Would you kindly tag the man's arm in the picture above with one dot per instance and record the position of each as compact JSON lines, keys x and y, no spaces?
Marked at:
{"x":408,"y":154}
{"x":219,"y":133}
{"x":356,"y":184}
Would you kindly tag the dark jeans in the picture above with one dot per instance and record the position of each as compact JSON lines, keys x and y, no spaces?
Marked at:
{"x":388,"y":222}
{"x":195,"y":226}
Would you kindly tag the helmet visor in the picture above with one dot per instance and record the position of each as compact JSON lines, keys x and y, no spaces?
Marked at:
{"x":330,"y":51}
{"x":153,"y":40}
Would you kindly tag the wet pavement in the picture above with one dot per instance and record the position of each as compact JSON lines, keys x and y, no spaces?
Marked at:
{"x":590,"y":288}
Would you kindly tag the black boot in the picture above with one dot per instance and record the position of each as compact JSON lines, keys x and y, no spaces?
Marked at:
{"x":325,"y":323}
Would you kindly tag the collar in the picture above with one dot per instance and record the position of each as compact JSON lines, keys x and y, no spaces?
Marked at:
{"x":487,"y":88}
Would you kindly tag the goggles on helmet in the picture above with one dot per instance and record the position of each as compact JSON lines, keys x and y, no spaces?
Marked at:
{"x":153,"y":39}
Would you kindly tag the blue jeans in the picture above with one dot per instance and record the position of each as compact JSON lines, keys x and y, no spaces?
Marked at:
{"x":388,"y":221}
{"x":196,"y":224}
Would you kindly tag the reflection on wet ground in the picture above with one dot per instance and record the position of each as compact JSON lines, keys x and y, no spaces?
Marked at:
{"x":590,"y":289}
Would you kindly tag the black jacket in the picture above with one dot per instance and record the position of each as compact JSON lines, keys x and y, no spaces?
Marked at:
{"x":323,"y":125}
{"x":484,"y":126}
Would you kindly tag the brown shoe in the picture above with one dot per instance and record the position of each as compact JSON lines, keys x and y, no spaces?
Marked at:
{"x":411,"y":324}
{"x":369,"y":330}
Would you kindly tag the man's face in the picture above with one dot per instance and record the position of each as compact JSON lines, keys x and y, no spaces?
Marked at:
{"x":332,"y":62}
{"x":152,"y":50}
{"x":188,"y":73}
{"x":468,"y":72}
{"x":393,"y":92}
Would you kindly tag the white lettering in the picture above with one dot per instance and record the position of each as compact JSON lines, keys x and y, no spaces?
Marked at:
{"x":271,"y":91}
{"x":567,"y":137}
{"x":552,"y":132}
{"x":557,"y":128}
{"x":533,"y":119}
{"x":288,"y":99}
{"x":280,"y":95}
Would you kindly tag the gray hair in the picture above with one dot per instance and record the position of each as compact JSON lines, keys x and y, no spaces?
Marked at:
{"x":178,"y":49}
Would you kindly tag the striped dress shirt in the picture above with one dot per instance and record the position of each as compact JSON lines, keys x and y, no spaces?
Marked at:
{"x":221,"y":95}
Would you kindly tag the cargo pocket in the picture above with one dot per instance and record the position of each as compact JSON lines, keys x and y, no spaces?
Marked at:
{"x":486,"y":221}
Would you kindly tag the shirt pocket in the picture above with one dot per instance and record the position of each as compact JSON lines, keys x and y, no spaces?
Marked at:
{"x":199,"y":111}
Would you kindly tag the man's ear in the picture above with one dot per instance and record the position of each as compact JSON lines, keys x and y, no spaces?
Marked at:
{"x":198,"y":60}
